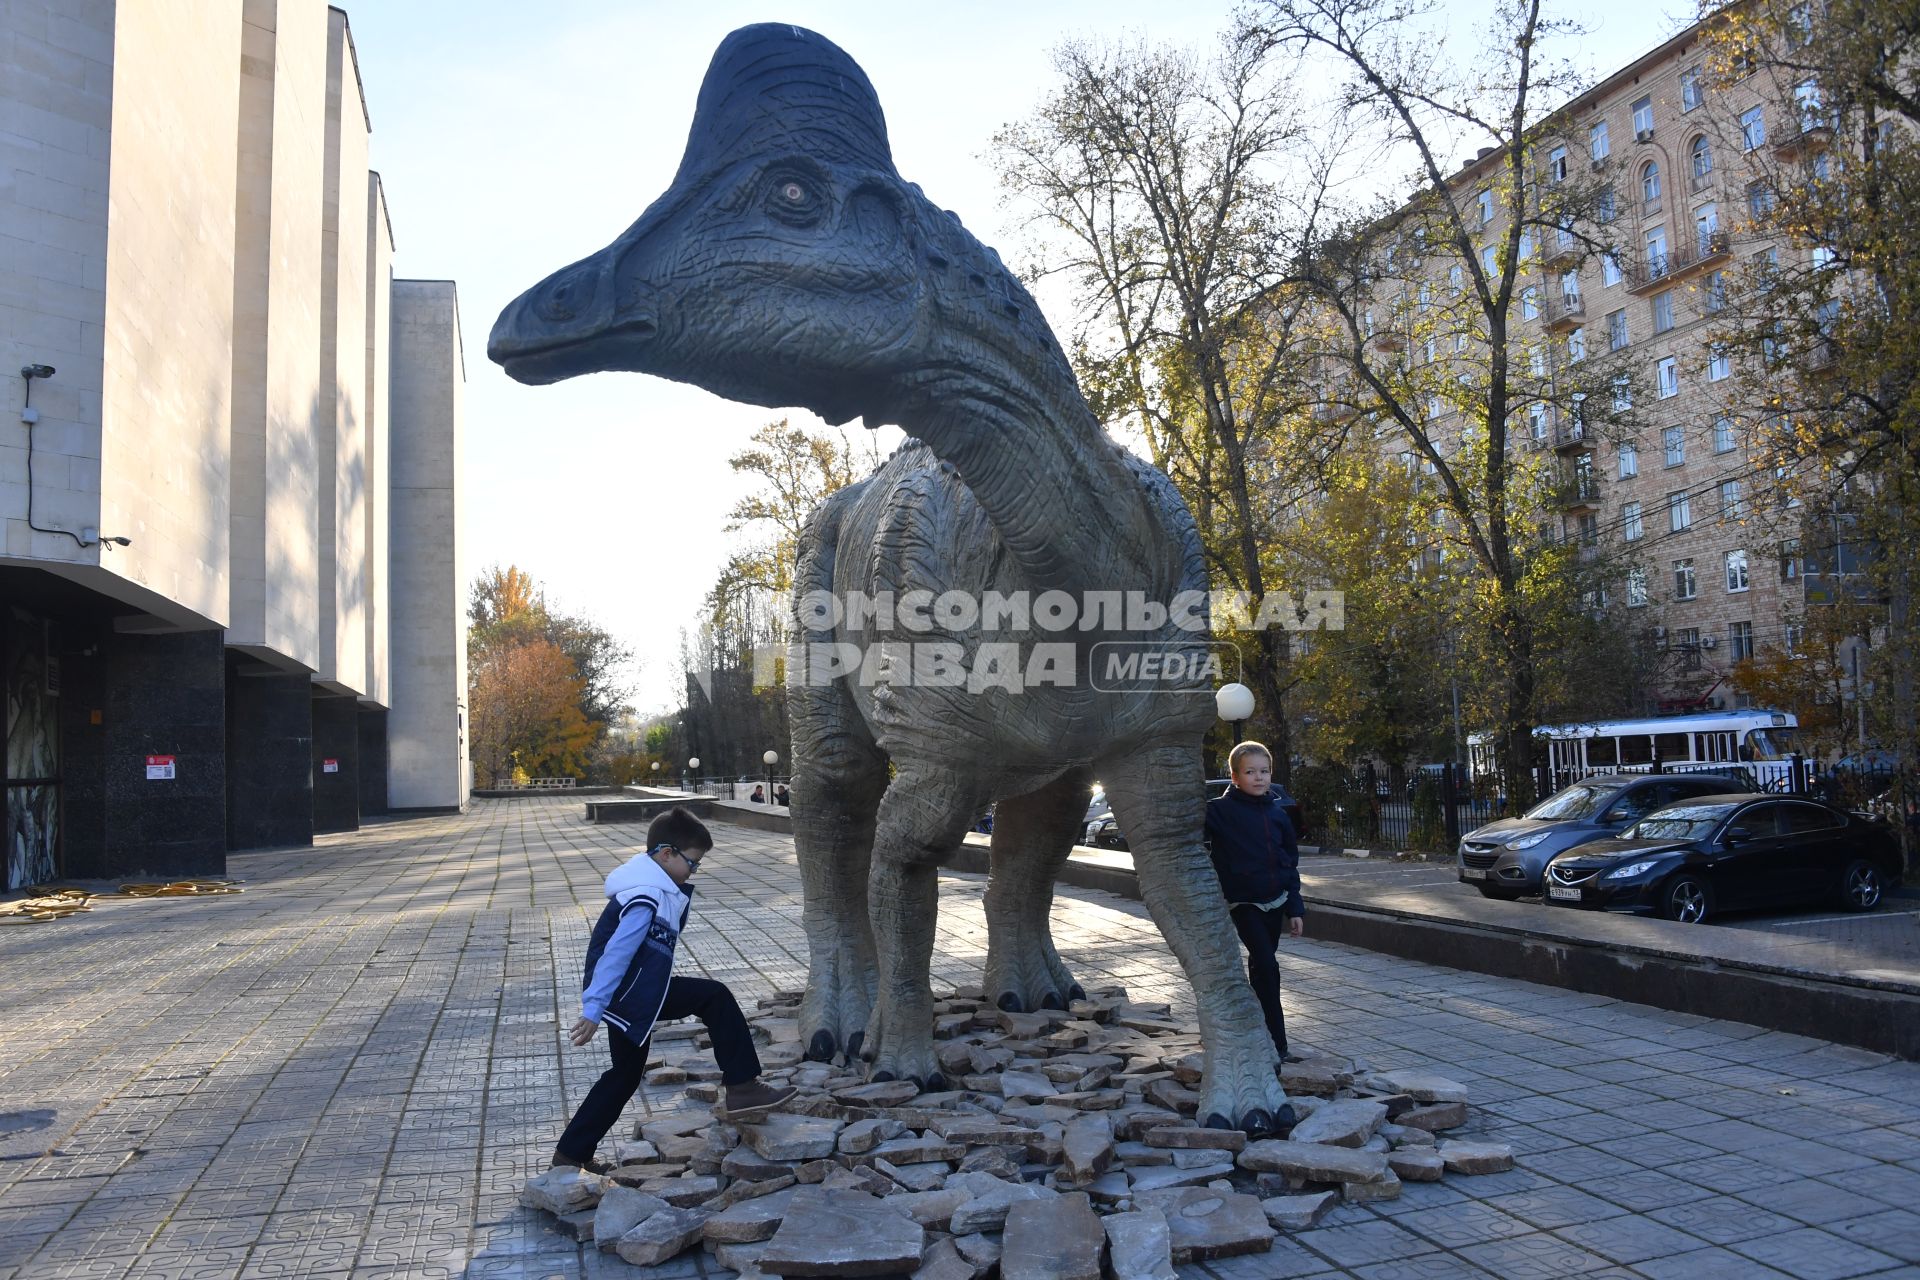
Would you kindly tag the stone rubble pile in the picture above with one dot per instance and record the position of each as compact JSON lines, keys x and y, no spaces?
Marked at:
{"x":1065,"y":1148}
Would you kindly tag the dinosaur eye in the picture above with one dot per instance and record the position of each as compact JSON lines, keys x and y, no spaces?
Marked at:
{"x":793,"y":193}
{"x":795,"y":199}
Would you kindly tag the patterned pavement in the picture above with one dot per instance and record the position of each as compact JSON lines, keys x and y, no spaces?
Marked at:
{"x":350,"y":1069}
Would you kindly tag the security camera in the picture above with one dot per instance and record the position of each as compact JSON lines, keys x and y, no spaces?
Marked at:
{"x":32,"y":371}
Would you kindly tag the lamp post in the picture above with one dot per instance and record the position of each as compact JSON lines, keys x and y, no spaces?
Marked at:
{"x":693,"y":767}
{"x":770,"y":759}
{"x":655,"y":768}
{"x":1234,"y":703}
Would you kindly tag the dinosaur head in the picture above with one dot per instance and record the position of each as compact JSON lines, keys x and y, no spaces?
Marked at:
{"x":777,"y":269}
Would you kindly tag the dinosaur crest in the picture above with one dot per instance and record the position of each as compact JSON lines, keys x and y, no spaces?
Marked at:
{"x":774,"y":87}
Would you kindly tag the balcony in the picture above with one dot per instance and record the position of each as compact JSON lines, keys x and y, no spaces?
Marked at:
{"x":1559,"y":250}
{"x":1815,"y":134}
{"x":1569,"y":436}
{"x":1658,"y":270}
{"x":1698,"y":182}
{"x":1387,"y":340}
{"x":1578,"y":495}
{"x":1564,"y":311}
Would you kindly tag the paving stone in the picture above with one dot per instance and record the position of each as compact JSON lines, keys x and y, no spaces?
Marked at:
{"x":750,"y":1220}
{"x":1053,"y":1239}
{"x":925,"y":1176}
{"x":861,"y":1178}
{"x":931,"y":1209}
{"x":575,"y":1226}
{"x":683,"y":1192}
{"x":1475,"y":1157}
{"x":1139,"y":1245}
{"x":741,"y":1259}
{"x":1299,"y":1212}
{"x":1440,"y":1115}
{"x":884,"y":1093}
{"x":1110,"y":1188}
{"x":1416,"y":1164}
{"x":864,"y":1135}
{"x":1193,"y":1138}
{"x":1421,"y":1086}
{"x":944,"y":1261}
{"x":1173,"y":1096}
{"x":741,"y":1190}
{"x":1161,"y":1177}
{"x":981,"y":1248}
{"x":843,"y":1233}
{"x":1206,"y":1224}
{"x":746,"y":1163}
{"x":913,"y":1150}
{"x":987,"y":1211}
{"x":563,"y":1191}
{"x":661,"y":1236}
{"x":1387,"y":1188}
{"x":1086,"y":1149}
{"x":620,"y":1211}
{"x":1346,"y":1122}
{"x":1314,"y":1161}
{"x":784,"y":1137}
{"x":1021,"y":1085}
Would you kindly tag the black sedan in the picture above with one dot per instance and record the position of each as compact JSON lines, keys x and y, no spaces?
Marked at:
{"x":1730,"y":852}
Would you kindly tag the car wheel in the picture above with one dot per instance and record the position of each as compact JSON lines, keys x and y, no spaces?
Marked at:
{"x":1861,"y":886}
{"x":1686,"y":899}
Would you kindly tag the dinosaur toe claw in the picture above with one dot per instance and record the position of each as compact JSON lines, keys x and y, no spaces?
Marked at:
{"x":854,"y":1042}
{"x":1258,"y":1123}
{"x":1011,"y":1002}
{"x":1218,"y":1121}
{"x":881,"y":1077}
{"x":1076,"y":992}
{"x":1052,"y":1000}
{"x":820,"y":1048}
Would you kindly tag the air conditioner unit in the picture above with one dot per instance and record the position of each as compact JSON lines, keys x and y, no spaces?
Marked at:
{"x":1643,"y":135}
{"x":1598,"y":165}
{"x":1708,"y":642}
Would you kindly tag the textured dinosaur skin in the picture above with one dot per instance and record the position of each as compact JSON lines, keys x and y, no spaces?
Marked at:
{"x":789,"y":264}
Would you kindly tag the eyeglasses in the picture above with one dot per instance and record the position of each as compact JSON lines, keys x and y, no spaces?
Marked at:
{"x":675,"y":851}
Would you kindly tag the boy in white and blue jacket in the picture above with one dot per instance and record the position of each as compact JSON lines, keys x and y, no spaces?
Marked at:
{"x":630,"y":985}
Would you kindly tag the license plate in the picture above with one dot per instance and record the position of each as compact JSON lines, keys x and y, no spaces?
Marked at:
{"x":1563,"y":891}
{"x":1473,"y":873}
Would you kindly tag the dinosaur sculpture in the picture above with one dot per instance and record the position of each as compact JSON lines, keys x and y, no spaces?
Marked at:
{"x":789,"y":264}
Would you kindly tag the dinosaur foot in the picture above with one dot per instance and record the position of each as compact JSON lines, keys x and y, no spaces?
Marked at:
{"x":1024,"y":976}
{"x":836,"y":1008}
{"x":1241,"y":1091}
{"x":901,"y":1046}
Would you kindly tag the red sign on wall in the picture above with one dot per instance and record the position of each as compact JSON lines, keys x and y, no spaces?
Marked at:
{"x":329,"y":765}
{"x":159,"y":768}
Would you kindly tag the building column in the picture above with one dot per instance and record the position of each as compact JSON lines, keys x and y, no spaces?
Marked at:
{"x":336,"y":764}
{"x":373,"y":760}
{"x":269,"y":755}
{"x":165,"y":746}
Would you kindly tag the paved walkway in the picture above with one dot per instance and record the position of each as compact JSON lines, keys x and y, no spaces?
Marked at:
{"x":351,"y":1068}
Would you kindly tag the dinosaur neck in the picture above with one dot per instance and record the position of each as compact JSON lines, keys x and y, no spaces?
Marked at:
{"x":1029,"y":449}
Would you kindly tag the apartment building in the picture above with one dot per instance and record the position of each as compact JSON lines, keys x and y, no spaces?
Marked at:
{"x":230,"y":609}
{"x":1656,"y":455}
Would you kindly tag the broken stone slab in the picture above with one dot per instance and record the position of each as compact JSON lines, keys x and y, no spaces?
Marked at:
{"x":750,"y":1220}
{"x":1173,"y":1096}
{"x":1054,"y":1239}
{"x":1185,"y":1137}
{"x":1301,"y":1212}
{"x":943,"y":1261}
{"x":1188,"y":1158}
{"x":1314,"y":1161}
{"x":631,"y":1151}
{"x":1139,"y":1245}
{"x":1139,"y":1153}
{"x":672,"y":1126}
{"x":620,"y":1211}
{"x":739,"y":1190}
{"x":1110,"y":1188}
{"x":563,"y":1191}
{"x":1313,"y":1076}
{"x":784,"y":1137}
{"x":914,"y":1151}
{"x":745,"y":1163}
{"x":843,"y":1233}
{"x":1086,"y":1148}
{"x":925,"y":1176}
{"x":982,"y":1249}
{"x":1403,"y":1136}
{"x":883,"y":1093}
{"x":1001,"y":1162}
{"x":683,"y":1192}
{"x":931,"y":1209}
{"x":1434,"y":1117}
{"x":1205,"y":1223}
{"x":864,"y":1135}
{"x":1416,"y":1164}
{"x":1347,"y":1122}
{"x":1475,"y":1157}
{"x":633,"y":1175}
{"x":1091,"y":1099}
{"x":814,"y":1171}
{"x":661,"y":1236}
{"x":1022,"y":1085}
{"x":1387,"y":1188}
{"x":1162,"y":1177}
{"x":1421,"y":1086}
{"x":743,"y":1260}
{"x":577,"y":1227}
{"x":1190,"y":1069}
{"x":987,"y":1211}
{"x":666,"y":1076}
{"x":864,"y":1178}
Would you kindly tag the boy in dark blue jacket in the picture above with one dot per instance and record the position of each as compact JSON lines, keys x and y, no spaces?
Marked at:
{"x":630,"y":986}
{"x":1257,"y":856}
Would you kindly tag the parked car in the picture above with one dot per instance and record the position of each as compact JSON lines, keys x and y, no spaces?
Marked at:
{"x":1720,"y":853}
{"x":1097,"y":808}
{"x":1105,"y":832}
{"x":1507,"y":858}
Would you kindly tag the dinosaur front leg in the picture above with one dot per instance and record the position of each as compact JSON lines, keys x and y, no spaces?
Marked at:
{"x":1156,"y":794}
{"x":1032,"y":836}
{"x":839,"y":777}
{"x":922,"y":819}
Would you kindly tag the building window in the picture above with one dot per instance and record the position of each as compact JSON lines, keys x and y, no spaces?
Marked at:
{"x":1739,"y":641}
{"x":1484,"y":201}
{"x":1570,"y":289}
{"x":1650,"y":185}
{"x":1663,"y":311}
{"x":1700,"y":161}
{"x":1730,"y":508}
{"x":1632,"y":529}
{"x":1679,"y":512}
{"x":1715,"y":288}
{"x":1656,"y":252}
{"x":1794,"y":639}
{"x":1529,"y":303}
{"x":1589,"y":527}
{"x":1454,"y":277}
{"x":1687,"y":641}
{"x":1790,"y":560}
{"x":1622,"y":394}
{"x":1806,"y":100}
{"x":1685,"y":587}
{"x":1576,"y":345}
{"x":1706,"y":229}
{"x":1723,"y":435}
{"x":1597,"y":145}
{"x":1435,"y":407}
{"x":1629,"y":461}
{"x":1636,"y":588}
{"x":1606,"y":206}
{"x":1760,"y":200}
{"x":1822,"y":256}
{"x":1537,"y":420}
{"x":1676,"y":440}
{"x":1643,"y":119}
{"x":1490,"y":262}
{"x":1616,"y":330}
{"x":1668,"y":376}
{"x":1537,"y":360}
{"x":1692,"y":89}
{"x":1557,"y":165}
{"x":1736,"y":571}
{"x":1753,"y":128}
{"x":1719,"y":364}
{"x":1610,"y":273}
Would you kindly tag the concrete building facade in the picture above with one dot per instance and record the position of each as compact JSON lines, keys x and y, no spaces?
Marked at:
{"x":202,"y":644}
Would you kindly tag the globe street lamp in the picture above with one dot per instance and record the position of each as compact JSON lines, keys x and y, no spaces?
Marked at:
{"x":655,"y":767}
{"x":770,"y":758}
{"x":693,"y":767}
{"x":1234,"y":702}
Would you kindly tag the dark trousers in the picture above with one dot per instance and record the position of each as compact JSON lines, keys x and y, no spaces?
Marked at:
{"x":733,"y":1051}
{"x":1260,"y":933}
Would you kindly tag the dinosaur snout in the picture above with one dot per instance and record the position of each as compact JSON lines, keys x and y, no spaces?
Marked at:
{"x":566,"y":325}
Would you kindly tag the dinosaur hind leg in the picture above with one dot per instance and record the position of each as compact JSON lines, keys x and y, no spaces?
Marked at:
{"x":839,"y":777}
{"x":1032,"y":836}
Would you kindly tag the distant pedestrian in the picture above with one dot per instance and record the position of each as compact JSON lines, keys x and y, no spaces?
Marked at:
{"x":759,"y":795}
{"x":1257,"y":855}
{"x":630,"y":985}
{"x":780,"y":796}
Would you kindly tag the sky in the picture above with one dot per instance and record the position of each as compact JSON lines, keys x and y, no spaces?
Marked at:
{"x":515,"y":138}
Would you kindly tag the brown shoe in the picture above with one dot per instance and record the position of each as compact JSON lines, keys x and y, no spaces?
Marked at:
{"x":753,"y":1099}
{"x":568,"y":1162}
